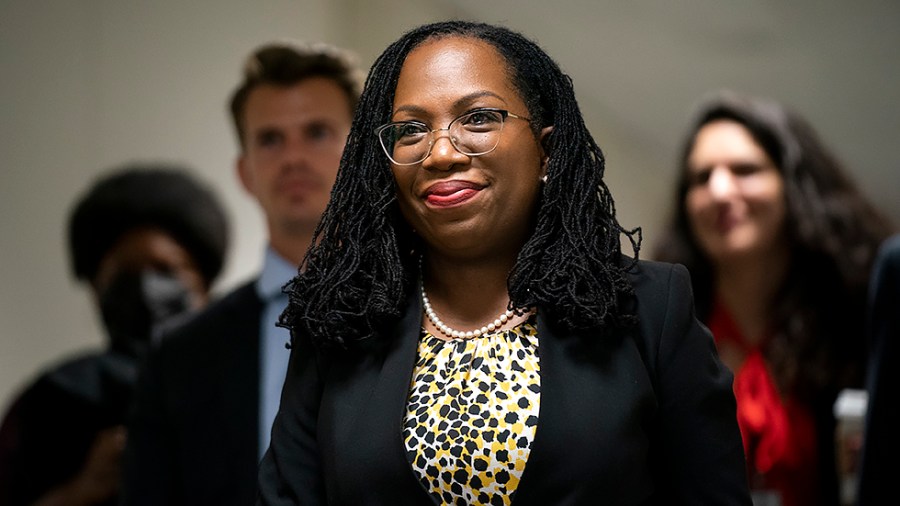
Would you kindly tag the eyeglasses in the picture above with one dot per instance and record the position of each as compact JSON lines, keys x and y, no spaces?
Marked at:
{"x":474,"y":133}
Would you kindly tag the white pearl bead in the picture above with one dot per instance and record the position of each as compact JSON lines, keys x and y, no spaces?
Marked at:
{"x":456,"y":334}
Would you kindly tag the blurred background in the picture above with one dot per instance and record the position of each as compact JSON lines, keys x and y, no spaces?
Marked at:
{"x":89,"y":85}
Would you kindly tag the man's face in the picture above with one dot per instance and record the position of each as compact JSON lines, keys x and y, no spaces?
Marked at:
{"x":293,"y":139}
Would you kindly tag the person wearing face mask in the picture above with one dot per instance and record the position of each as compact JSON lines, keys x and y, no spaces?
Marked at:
{"x":149,"y":240}
{"x":779,"y":243}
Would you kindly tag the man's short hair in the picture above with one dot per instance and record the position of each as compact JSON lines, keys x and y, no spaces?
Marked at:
{"x":288,"y":63}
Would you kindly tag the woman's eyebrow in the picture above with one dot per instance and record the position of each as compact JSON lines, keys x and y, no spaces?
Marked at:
{"x":471,"y":97}
{"x":462,"y":101}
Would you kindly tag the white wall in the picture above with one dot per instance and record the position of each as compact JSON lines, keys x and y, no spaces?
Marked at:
{"x":89,"y":85}
{"x":85,"y":86}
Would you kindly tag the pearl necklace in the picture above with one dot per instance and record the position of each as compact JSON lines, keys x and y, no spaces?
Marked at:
{"x":452,"y":333}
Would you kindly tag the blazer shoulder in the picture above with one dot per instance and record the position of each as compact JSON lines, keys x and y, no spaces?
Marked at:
{"x":656,"y":282}
{"x":238,"y":312}
{"x":889,"y":254}
{"x":885,"y":276}
{"x":663,"y":304}
{"x":241,"y":300}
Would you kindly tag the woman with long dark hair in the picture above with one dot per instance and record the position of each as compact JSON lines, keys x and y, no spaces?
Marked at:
{"x":465,"y":329}
{"x":779,"y":244}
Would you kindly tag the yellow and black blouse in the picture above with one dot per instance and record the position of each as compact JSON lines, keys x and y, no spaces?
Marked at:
{"x":472,"y":414}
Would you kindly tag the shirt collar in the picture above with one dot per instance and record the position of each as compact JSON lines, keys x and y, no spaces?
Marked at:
{"x":275,"y":273}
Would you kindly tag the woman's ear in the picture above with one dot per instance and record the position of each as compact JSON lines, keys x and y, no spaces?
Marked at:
{"x":544,"y":139}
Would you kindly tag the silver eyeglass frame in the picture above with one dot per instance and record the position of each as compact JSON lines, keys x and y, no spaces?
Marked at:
{"x":432,"y":138}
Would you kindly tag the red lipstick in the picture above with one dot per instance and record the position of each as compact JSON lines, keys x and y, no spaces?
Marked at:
{"x":451,"y":193}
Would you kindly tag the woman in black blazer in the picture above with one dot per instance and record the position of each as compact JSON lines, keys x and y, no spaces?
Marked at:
{"x":466,"y":329}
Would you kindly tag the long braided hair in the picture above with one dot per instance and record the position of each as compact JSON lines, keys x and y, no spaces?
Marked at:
{"x":362,"y":265}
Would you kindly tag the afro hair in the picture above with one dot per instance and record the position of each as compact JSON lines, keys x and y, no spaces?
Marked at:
{"x":148,"y":195}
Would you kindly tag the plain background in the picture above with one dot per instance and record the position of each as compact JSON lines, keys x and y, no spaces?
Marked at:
{"x":86,"y":86}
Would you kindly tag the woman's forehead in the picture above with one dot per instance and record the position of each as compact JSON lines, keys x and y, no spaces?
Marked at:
{"x":448,"y":68}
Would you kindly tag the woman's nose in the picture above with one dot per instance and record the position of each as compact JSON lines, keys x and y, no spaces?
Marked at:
{"x":722,"y":184}
{"x":443,"y":153}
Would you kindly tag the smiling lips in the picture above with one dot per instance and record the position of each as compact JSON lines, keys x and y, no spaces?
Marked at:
{"x":451,"y":193}
{"x":726,"y":220}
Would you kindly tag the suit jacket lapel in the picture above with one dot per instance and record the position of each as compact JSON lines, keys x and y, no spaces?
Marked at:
{"x":240,"y":381}
{"x":594,"y":392}
{"x":540,"y":458}
{"x":392,"y":391}
{"x":366,"y":401}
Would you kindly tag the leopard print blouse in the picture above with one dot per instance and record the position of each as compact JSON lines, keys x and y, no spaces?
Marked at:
{"x":472,"y":414}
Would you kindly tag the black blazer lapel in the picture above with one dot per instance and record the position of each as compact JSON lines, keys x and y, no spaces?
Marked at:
{"x":594,"y":392}
{"x":363,"y":408}
{"x":389,"y":400}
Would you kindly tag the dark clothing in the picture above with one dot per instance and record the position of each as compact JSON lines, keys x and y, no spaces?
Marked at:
{"x":882,"y":440}
{"x":643,"y":415}
{"x":193,"y":438}
{"x":46,"y":435}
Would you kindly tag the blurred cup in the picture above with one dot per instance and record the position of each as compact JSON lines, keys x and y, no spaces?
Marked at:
{"x":850,"y":413}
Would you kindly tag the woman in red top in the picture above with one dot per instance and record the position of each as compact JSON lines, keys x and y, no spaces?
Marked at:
{"x":779,"y":243}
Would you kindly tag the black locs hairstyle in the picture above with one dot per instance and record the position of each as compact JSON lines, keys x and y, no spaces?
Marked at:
{"x":358,"y":273}
{"x":148,"y":195}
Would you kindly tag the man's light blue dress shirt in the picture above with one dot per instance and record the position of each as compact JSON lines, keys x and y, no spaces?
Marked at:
{"x":273,"y":354}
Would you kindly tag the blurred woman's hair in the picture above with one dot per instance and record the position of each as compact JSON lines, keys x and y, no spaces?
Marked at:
{"x":833,"y":232}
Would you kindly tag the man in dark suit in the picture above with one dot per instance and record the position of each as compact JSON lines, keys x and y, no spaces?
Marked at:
{"x":208,"y":395}
{"x":880,"y":451}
